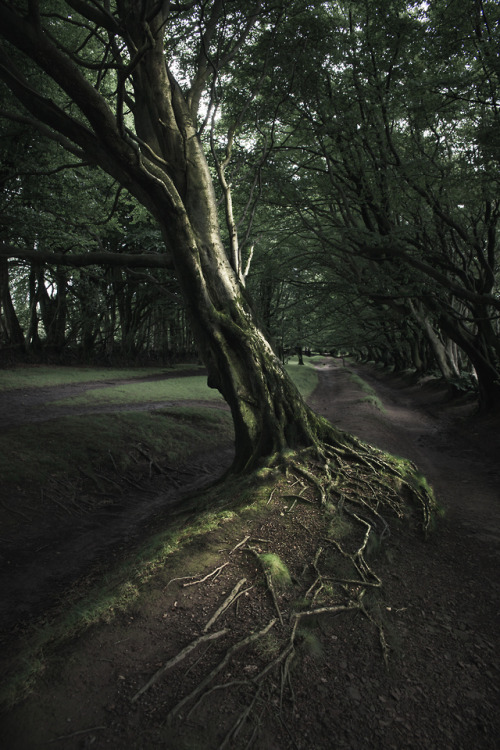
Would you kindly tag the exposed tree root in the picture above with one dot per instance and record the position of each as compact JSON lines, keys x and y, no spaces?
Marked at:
{"x":190,"y":580}
{"x":227,"y":658}
{"x":233,"y":596}
{"x":356,"y":490}
{"x":177,"y":659}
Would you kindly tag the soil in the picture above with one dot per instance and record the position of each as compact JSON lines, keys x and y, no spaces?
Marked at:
{"x":435,"y":618}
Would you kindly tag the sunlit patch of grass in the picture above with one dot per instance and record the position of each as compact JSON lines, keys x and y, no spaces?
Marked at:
{"x":304,"y":376}
{"x":317,"y":358}
{"x":173,"y":389}
{"x":41,"y":376}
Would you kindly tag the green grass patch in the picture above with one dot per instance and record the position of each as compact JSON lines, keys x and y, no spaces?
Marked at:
{"x":304,"y":376}
{"x":41,"y":376}
{"x":193,"y":387}
{"x":58,"y":447}
{"x":371,"y":395}
{"x":275,"y":569}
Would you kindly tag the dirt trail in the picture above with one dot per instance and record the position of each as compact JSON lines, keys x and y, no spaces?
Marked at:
{"x":442,"y":689}
{"x":460,"y":458}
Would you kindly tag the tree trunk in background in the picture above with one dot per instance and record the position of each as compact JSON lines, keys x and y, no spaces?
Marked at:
{"x":446,"y":364}
{"x":11,"y":330}
{"x":482,"y":357}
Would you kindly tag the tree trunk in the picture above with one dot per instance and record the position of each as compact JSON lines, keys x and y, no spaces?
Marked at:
{"x":446,"y":365}
{"x":269,"y":414}
{"x":13,"y":333}
{"x":483,"y":359}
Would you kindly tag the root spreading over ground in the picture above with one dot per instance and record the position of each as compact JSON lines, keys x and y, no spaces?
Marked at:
{"x":308,"y":563}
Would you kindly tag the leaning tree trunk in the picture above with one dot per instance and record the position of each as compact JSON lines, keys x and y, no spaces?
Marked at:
{"x":268,"y":412}
{"x":162,"y":164}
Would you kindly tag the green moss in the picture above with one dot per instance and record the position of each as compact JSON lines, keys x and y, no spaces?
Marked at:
{"x":126,"y":585}
{"x":276,"y":569}
{"x":310,"y":643}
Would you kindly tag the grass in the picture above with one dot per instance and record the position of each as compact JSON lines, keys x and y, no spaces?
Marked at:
{"x":193,"y":387}
{"x":41,"y":376}
{"x":371,"y":395}
{"x":62,"y":445}
{"x":304,"y":376}
{"x":58,"y":447}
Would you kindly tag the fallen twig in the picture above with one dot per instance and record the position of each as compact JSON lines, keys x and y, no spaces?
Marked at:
{"x":215,"y":573}
{"x":240,"y":544}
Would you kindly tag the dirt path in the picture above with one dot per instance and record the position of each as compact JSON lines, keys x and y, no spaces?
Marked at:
{"x":461,"y":460}
{"x":441,"y":615}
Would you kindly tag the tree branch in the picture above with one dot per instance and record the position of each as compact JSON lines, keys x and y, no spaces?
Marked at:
{"x":130,"y":260}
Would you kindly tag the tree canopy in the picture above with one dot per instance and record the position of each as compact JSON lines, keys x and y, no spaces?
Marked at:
{"x":259,"y":176}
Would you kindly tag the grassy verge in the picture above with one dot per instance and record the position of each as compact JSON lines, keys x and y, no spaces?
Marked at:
{"x":60,"y":447}
{"x":193,"y":387}
{"x":304,"y":376}
{"x":41,"y":376}
{"x":371,"y":395}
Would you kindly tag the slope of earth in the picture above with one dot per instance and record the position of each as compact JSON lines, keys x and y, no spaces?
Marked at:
{"x":167,"y":674}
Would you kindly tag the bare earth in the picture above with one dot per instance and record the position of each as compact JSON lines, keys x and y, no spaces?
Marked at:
{"x":439,"y":611}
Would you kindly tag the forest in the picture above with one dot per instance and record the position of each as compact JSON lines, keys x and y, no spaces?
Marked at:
{"x":352,"y":149}
{"x":257,"y":198}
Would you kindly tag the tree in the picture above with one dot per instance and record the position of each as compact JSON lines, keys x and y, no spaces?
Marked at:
{"x":397,"y":188}
{"x":104,"y":85}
